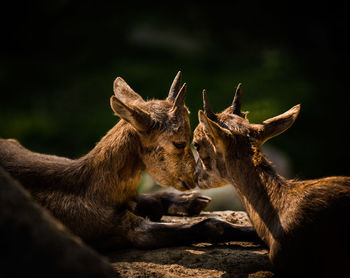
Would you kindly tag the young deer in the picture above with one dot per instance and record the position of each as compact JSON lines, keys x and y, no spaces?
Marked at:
{"x":304,"y":223}
{"x":96,"y":196}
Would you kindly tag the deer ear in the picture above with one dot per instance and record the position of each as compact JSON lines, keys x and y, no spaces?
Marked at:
{"x":123,"y":91}
{"x":276,"y":125}
{"x":138,"y":118}
{"x":216,"y":132}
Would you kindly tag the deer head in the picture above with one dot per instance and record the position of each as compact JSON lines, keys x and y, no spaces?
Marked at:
{"x":226,"y":141}
{"x":163,"y":128}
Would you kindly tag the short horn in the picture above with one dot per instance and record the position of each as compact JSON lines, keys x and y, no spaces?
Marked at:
{"x":237,"y":101}
{"x":180,"y":98}
{"x":207,"y":107}
{"x":175,"y":87}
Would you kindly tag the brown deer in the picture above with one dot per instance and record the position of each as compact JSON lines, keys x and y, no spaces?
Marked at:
{"x":304,"y":223}
{"x":96,"y":196}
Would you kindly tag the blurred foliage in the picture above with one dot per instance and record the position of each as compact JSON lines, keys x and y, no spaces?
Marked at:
{"x":59,"y":60}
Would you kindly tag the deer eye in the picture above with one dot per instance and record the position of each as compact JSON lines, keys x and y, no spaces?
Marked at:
{"x":196,"y":146}
{"x":179,"y":145}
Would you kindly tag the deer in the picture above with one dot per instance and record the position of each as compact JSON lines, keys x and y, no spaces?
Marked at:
{"x":96,"y":196}
{"x":304,"y":223}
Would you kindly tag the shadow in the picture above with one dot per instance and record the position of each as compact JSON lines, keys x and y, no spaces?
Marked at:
{"x":230,"y":259}
{"x":259,"y":189}
{"x":35,"y":244}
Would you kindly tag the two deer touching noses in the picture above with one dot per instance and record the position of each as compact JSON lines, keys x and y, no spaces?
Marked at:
{"x":303,"y":223}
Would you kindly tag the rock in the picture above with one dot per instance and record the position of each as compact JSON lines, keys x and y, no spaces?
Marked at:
{"x":229,"y":259}
{"x":33,"y":243}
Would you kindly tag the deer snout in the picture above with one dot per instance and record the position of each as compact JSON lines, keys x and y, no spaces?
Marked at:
{"x":189,"y":181}
{"x":189,"y":175}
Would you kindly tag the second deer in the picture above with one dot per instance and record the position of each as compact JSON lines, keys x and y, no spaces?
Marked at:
{"x":304,"y":223}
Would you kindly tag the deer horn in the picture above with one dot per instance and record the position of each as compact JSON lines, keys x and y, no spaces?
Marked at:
{"x":237,"y":101}
{"x":175,"y":87}
{"x":180,"y":98}
{"x":207,"y":108}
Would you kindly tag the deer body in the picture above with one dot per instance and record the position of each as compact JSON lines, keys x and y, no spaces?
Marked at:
{"x":304,"y":223}
{"x":96,"y":196}
{"x":89,"y":188}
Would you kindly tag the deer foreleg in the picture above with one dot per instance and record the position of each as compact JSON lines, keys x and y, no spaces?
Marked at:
{"x":161,"y":203}
{"x":150,"y":235}
{"x":131,"y":230}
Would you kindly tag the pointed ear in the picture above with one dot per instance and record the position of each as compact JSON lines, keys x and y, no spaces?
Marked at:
{"x":138,"y":118}
{"x":123,"y":91}
{"x":276,"y":125}
{"x":216,"y":132}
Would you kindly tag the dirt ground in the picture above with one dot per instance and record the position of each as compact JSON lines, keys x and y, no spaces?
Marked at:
{"x":229,"y":259}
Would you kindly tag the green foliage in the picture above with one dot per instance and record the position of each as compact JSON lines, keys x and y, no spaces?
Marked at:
{"x":60,"y":60}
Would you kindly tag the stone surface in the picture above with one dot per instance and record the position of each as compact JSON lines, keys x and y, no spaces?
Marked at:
{"x":229,"y":259}
{"x":36,"y":244}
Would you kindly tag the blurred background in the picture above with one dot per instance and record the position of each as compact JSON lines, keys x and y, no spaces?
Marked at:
{"x":59,"y":60}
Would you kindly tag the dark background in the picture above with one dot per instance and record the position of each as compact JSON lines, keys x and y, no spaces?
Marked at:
{"x":59,"y":60}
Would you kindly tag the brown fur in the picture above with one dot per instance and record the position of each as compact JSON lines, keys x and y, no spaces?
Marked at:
{"x":304,"y":223}
{"x":95,"y":196}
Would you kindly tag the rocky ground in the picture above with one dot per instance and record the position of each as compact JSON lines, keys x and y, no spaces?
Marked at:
{"x":229,"y":259}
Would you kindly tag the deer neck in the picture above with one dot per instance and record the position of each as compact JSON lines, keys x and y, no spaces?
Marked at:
{"x":114,"y":166}
{"x":261,"y":190}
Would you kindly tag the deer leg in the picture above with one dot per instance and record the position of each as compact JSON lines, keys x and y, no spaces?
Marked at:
{"x":149,"y":235}
{"x":170,"y":203}
{"x":150,"y":206}
{"x":191,"y":203}
{"x":131,"y":230}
